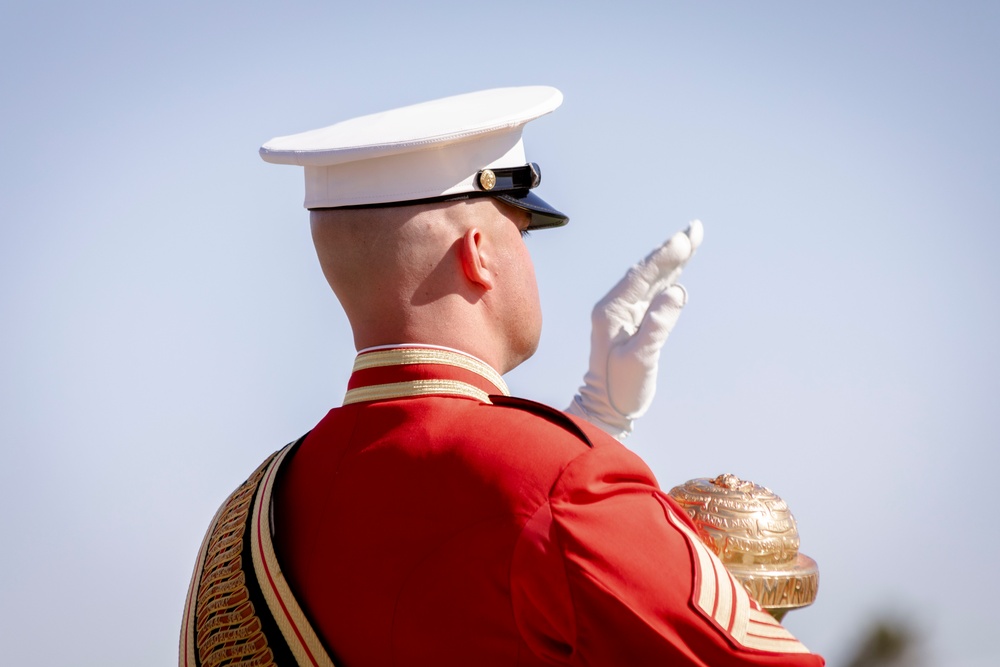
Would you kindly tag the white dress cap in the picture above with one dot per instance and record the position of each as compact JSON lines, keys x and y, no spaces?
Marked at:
{"x":428,"y":150}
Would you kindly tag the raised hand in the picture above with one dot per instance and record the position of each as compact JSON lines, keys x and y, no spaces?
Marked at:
{"x":629,"y":326}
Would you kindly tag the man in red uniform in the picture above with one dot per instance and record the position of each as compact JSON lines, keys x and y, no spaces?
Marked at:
{"x":432,"y":519}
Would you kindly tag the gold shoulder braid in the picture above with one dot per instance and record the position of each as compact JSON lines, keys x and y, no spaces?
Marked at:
{"x":239,"y":609}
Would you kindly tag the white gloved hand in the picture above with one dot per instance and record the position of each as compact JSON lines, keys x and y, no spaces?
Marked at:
{"x":629,"y":326}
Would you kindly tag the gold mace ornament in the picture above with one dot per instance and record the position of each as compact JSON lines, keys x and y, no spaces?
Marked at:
{"x":755,"y":536}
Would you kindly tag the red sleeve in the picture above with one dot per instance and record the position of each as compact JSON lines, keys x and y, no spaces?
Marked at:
{"x":609,"y":572}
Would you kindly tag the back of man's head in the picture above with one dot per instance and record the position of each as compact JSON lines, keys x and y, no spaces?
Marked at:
{"x":448,"y":273}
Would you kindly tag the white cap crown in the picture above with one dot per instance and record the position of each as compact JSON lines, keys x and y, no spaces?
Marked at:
{"x":422,"y":151}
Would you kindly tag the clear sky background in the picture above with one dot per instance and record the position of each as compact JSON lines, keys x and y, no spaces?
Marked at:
{"x":164,"y":324}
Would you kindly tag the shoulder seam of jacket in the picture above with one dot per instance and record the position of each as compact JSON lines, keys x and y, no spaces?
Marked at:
{"x":546,"y":412}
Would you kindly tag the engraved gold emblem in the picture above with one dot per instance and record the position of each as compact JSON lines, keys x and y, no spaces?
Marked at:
{"x":487,"y":179}
{"x":755,"y":536}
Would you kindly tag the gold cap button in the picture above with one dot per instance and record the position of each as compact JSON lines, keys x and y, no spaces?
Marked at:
{"x":487,"y":179}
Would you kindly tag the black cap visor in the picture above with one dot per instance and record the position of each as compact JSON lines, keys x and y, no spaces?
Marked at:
{"x":543,"y":216}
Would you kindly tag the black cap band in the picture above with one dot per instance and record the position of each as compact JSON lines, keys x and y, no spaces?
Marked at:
{"x":509,"y":178}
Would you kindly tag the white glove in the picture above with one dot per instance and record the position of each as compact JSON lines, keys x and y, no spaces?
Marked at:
{"x":629,"y":326}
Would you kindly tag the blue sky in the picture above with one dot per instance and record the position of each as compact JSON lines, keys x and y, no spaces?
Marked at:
{"x":164,"y":324}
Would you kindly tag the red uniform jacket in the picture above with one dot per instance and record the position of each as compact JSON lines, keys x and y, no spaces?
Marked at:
{"x":432,"y":521}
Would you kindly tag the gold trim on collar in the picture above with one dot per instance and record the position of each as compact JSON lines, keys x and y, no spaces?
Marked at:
{"x":412,"y":355}
{"x":380,"y":392}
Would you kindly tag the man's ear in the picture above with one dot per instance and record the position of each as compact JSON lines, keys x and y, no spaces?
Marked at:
{"x":474,"y":261}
